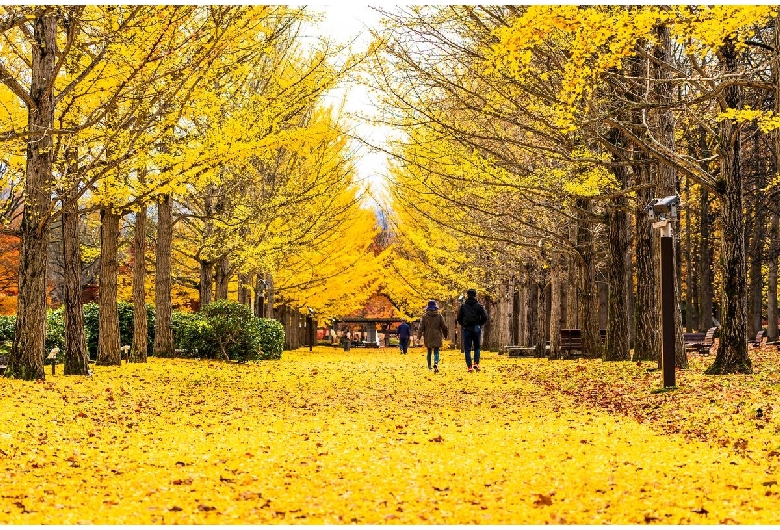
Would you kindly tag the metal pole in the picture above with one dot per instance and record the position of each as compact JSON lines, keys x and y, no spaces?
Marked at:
{"x":667,"y":309}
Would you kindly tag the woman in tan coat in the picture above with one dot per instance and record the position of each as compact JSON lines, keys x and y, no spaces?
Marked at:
{"x":434,"y":331}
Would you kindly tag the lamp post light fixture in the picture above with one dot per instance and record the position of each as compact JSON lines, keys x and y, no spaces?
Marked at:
{"x":665,"y":210}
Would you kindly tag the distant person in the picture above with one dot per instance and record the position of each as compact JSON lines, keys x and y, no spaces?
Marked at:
{"x":434,"y":330}
{"x":404,"y":333}
{"x":472,"y":316}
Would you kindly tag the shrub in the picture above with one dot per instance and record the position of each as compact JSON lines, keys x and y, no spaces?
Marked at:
{"x":126,"y":322}
{"x":271,"y":338}
{"x":55,"y":332}
{"x":7,"y":326}
{"x":233,"y":331}
{"x":190,"y":333}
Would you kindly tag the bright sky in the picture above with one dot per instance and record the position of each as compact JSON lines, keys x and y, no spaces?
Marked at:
{"x":344,"y":22}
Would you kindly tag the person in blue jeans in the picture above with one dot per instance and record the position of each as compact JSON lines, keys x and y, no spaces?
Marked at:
{"x":434,"y":330}
{"x":404,"y":332}
{"x":472,"y":316}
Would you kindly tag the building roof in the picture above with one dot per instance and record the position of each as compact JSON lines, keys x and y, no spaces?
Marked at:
{"x":367,"y":320}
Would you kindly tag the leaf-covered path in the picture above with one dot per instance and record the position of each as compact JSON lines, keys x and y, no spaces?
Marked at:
{"x":367,"y":437}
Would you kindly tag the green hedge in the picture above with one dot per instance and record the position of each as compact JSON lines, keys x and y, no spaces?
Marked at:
{"x":271,"y":338}
{"x":190,"y":331}
{"x":227,"y":326}
{"x":126,"y":322}
{"x":221,"y":326}
{"x":55,"y":332}
{"x":230,"y":330}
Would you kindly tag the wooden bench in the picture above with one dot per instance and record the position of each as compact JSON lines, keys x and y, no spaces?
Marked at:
{"x":760,"y":338}
{"x":3,"y":363}
{"x":521,"y":351}
{"x":704,"y":346}
{"x":692,"y":340}
{"x":571,"y":340}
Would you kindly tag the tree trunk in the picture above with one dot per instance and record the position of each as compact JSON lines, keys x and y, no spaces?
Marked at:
{"x":522,"y":307}
{"x":755,"y":322}
{"x":541,"y":313}
{"x":108,"y":323}
{"x":27,"y":352}
{"x":555,"y":305}
{"x":206,"y":275}
{"x":588,"y":302}
{"x":706,"y":288}
{"x":771,"y":293}
{"x":774,"y":226}
{"x":516,"y":289}
{"x":647,"y":341}
{"x":76,"y":355}
{"x":618,"y":347}
{"x":138,"y":352}
{"x":732,"y":356}
{"x":222,"y":278}
{"x":244,"y":292}
{"x":269,"y":296}
{"x":691,"y":316}
{"x":666,"y":182}
{"x":163,"y":329}
{"x":259,"y":305}
{"x":572,"y":288}
{"x":631,"y":298}
{"x":533,"y":308}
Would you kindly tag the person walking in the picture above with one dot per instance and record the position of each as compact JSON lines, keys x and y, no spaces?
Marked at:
{"x":472,"y":316}
{"x":404,"y":332}
{"x":434,"y":330}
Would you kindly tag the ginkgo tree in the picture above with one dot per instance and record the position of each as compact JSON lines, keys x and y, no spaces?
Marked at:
{"x":544,"y":90}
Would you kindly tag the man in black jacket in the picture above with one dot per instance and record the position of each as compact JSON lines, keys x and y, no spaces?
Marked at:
{"x":472,"y":316}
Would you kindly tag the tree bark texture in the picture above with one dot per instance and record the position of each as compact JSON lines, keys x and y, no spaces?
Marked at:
{"x":691,"y":315}
{"x":108,"y":324}
{"x":138,"y":351}
{"x":756,"y":279}
{"x":222,"y":277}
{"x":617,"y":346}
{"x":647,"y":340}
{"x":163,"y":329}
{"x":206,"y":275}
{"x":27,"y":352}
{"x":244,"y":292}
{"x":533,"y":308}
{"x":774,"y":227}
{"x":588,"y":301}
{"x":572,"y":288}
{"x":732,"y":356}
{"x":76,"y":356}
{"x":269,"y":299}
{"x":771,"y":293}
{"x":541,"y":313}
{"x":523,"y":308}
{"x":706,"y":288}
{"x":555,"y":305}
{"x":514,"y":335}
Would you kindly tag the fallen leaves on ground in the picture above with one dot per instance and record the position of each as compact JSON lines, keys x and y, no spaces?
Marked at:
{"x":369,"y":436}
